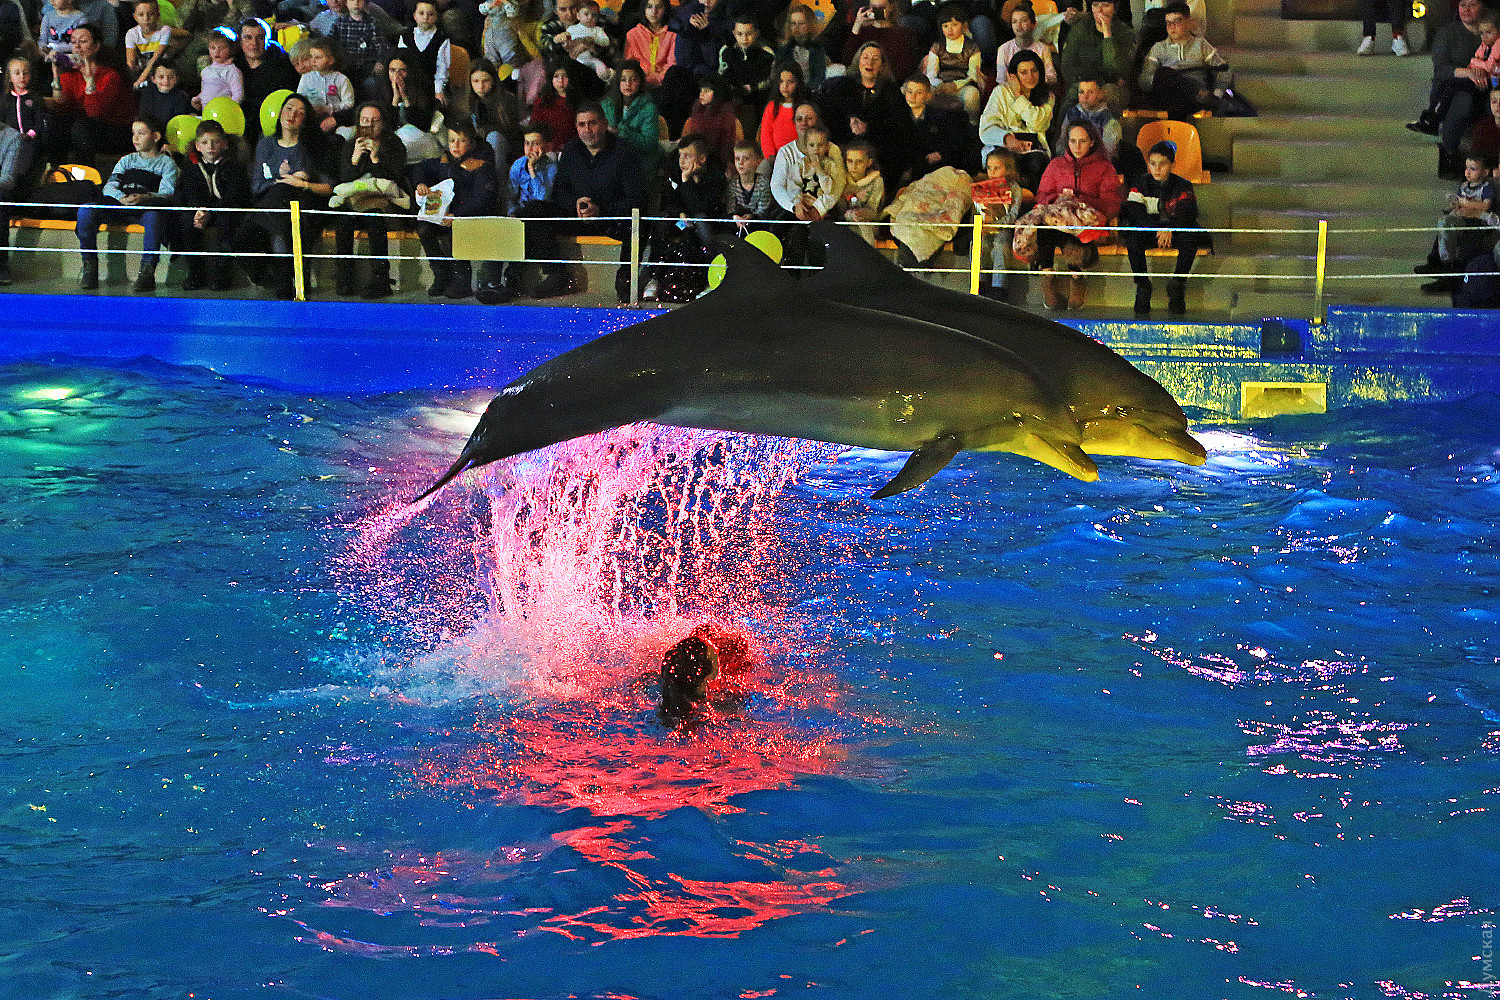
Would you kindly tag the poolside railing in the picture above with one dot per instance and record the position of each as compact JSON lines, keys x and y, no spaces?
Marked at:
{"x":977,"y":231}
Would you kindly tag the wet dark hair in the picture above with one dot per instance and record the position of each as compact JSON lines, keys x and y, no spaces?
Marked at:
{"x":1164,"y":148}
{"x":686,"y":669}
{"x":149,"y":121}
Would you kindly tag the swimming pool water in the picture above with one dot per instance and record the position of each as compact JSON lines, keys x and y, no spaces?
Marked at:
{"x":1221,"y":732}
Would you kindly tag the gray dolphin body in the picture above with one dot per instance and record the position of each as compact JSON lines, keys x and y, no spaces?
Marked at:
{"x":1121,"y":410}
{"x":761,"y":355}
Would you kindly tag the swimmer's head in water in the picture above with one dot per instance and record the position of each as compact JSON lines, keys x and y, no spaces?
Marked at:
{"x":686,"y":670}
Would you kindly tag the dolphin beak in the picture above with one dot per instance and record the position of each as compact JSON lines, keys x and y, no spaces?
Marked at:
{"x":464,"y":462}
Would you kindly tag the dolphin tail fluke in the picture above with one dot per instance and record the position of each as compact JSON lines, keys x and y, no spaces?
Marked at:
{"x":924,"y":463}
{"x":464,"y":462}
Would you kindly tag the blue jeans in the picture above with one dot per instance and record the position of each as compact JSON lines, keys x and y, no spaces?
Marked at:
{"x":91,"y":216}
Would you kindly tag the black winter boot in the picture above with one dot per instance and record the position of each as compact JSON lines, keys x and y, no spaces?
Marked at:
{"x":1142,"y":297}
{"x":1176,"y":296}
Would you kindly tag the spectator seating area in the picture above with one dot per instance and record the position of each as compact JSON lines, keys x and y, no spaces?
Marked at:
{"x":1307,"y":156}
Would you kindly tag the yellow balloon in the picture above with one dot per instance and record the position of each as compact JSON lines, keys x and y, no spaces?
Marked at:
{"x":227,"y":113}
{"x":270,"y":110}
{"x":181,"y":131}
{"x":766,"y":243}
{"x":716,"y":271}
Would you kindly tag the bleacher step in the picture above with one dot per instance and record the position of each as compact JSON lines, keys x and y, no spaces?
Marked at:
{"x":1269,"y":31}
{"x":1324,"y":160}
{"x":1374,"y":93}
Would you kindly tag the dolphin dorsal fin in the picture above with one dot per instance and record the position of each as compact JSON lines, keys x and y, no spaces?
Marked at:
{"x":859,"y":265}
{"x":751,"y":273}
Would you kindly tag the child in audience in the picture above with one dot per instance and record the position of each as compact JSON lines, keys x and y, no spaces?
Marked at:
{"x":999,"y":196}
{"x":1023,"y":23}
{"x":800,"y":44}
{"x":1164,"y":211}
{"x":221,"y":77}
{"x":164,"y":100}
{"x":145,"y":177}
{"x":934,"y":137}
{"x":427,"y":48}
{"x":589,"y":43}
{"x":150,"y":42}
{"x":776,"y":125}
{"x":329,"y":91}
{"x":24,"y":112}
{"x":492,"y":110}
{"x":713,"y":118}
{"x":653,"y":43}
{"x":952,"y":64}
{"x":748,"y":198}
{"x":1181,"y":73}
{"x":212,"y":181}
{"x":864,"y":189}
{"x":1093,"y":107}
{"x":630,"y":113}
{"x":1463,"y":230}
{"x":745,"y":66}
{"x":475,"y":187}
{"x":532,"y":175}
{"x":56,"y":34}
{"x":694,"y":192}
{"x":361,"y":44}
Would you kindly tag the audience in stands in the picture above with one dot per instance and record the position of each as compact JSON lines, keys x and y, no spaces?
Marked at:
{"x":763,"y":137}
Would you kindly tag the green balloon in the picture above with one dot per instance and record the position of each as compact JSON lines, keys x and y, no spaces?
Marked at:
{"x":181,"y":131}
{"x":716,"y":271}
{"x":270,"y":110}
{"x":766,"y":243}
{"x":227,"y":113}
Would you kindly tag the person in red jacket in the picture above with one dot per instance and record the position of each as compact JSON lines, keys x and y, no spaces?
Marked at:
{"x":1085,"y":174}
{"x":92,"y":105}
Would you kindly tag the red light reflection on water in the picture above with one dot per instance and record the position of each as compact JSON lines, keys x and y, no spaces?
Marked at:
{"x":581,"y":565}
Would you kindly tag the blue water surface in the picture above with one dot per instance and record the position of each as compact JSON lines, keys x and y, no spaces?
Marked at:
{"x":1231,"y":731}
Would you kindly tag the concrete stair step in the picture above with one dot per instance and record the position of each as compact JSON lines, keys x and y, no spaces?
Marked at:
{"x":1269,"y":31}
{"x":1248,"y":60}
{"x":1229,"y":192}
{"x":1373,"y":94}
{"x":1331,"y":161}
{"x":1350,"y":232}
{"x":1218,"y":135}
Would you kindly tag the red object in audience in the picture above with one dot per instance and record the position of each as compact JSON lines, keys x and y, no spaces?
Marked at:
{"x":110,"y":102}
{"x":776,"y":128}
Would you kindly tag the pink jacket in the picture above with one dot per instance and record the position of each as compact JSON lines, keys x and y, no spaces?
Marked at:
{"x":1093,"y":180}
{"x":1485,"y":60}
{"x":638,"y":47}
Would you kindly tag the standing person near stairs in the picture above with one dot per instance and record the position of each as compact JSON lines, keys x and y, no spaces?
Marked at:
{"x":1396,"y":14}
{"x":1453,"y":45}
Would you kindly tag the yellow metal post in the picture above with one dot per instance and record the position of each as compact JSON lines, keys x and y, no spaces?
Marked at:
{"x":299,"y":280}
{"x":1317,"y":316}
{"x":635,"y":256}
{"x":974,"y":252}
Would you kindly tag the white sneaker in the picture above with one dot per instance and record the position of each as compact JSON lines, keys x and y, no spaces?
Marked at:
{"x":1398,"y":46}
{"x":1366,"y":46}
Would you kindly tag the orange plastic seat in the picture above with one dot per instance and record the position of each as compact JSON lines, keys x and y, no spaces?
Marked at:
{"x":1189,"y":162}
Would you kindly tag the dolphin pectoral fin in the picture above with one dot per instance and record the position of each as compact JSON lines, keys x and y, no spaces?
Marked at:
{"x":926,"y":462}
{"x":1062,"y":455}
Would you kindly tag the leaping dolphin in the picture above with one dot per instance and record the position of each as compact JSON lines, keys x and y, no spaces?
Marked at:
{"x":1121,"y":410}
{"x":761,"y":355}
